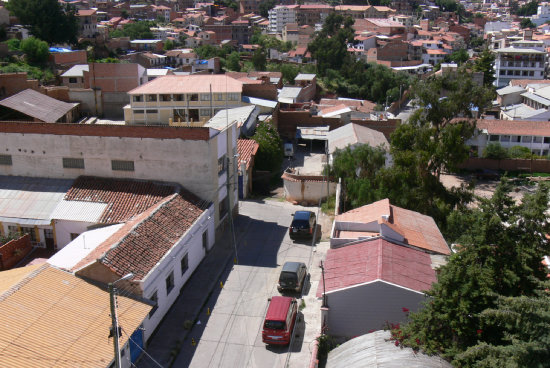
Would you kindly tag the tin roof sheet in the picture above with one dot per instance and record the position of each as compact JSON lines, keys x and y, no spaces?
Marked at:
{"x":38,"y":106}
{"x":79,"y":211}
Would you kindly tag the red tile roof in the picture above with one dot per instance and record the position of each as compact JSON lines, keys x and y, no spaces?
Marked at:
{"x":247,"y":148}
{"x":125,"y":197}
{"x":515,"y":127}
{"x":418,"y":230}
{"x":142,"y":242}
{"x":377,"y":260}
{"x":525,"y":82}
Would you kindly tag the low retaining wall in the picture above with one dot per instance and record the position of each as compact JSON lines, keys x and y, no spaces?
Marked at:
{"x":306,"y":189}
{"x":14,"y":251}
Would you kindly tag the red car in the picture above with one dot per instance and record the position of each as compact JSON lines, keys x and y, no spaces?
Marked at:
{"x":280,"y":320}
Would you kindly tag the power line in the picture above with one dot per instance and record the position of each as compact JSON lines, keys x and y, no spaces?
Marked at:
{"x":140,"y":348}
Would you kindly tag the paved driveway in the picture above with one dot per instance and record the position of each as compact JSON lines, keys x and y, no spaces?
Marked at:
{"x":230,"y":336}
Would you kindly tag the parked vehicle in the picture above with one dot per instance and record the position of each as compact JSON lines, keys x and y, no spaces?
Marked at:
{"x":303,"y":225}
{"x":280,"y":319}
{"x":292,"y":277}
{"x":288,"y":149}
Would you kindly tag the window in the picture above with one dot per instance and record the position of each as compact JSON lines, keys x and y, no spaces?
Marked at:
{"x":505,"y":138}
{"x":531,"y":73}
{"x":154,"y":298}
{"x":165,"y":97}
{"x":30,"y":231}
{"x":184,"y":264}
{"x":205,"y":97}
{"x":120,"y":165}
{"x":151,"y":111}
{"x":72,"y":80}
{"x":205,"y":241}
{"x":546,"y":139}
{"x":502,"y":72}
{"x":169,"y":282}
{"x":537,"y":139}
{"x":494,"y":138}
{"x":5,"y":160}
{"x":233,"y":97}
{"x":73,"y":163}
{"x":193,"y":97}
{"x":219,"y":96}
{"x":221,"y":165}
{"x":205,"y":112}
{"x":138,"y":98}
{"x":526,"y":139}
{"x":13,"y":229}
{"x":179,"y":97}
{"x":139,"y":111}
{"x":151,"y":98}
{"x":224,"y":207}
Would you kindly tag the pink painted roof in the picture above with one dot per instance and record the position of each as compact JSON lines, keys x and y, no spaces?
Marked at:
{"x":377,"y":260}
{"x":418,"y":230}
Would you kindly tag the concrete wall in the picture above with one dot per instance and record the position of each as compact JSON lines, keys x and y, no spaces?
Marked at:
{"x":64,"y":229}
{"x":306,"y":189}
{"x":526,"y":165}
{"x":88,"y":103}
{"x":358,"y":310}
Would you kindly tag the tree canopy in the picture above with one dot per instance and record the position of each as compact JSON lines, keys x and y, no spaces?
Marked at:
{"x":528,"y":9}
{"x":489,"y":285}
{"x":270,"y":150}
{"x":36,"y":51}
{"x":47,"y":19}
{"x":485,"y":63}
{"x":140,"y":30}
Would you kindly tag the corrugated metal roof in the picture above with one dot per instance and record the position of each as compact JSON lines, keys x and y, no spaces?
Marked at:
{"x":351,"y":134}
{"x":76,"y":71}
{"x":12,"y":277}
{"x":79,"y":211}
{"x":320,"y":132}
{"x":375,"y":350}
{"x":38,"y":106}
{"x":54,"y":319}
{"x":32,"y":199}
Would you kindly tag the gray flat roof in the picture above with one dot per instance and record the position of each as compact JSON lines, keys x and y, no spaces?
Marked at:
{"x":38,"y":106}
{"x":26,"y":200}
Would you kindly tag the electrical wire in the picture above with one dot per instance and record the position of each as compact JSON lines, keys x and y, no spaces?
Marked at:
{"x":140,"y":348}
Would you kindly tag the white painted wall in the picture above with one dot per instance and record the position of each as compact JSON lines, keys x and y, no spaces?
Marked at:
{"x":191,"y":244}
{"x":64,"y":228}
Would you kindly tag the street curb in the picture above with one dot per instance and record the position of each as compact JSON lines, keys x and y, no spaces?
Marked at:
{"x":205,"y":300}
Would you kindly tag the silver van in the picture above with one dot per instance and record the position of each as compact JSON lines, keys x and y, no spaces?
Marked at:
{"x":288,"y":149}
{"x":293,"y":276}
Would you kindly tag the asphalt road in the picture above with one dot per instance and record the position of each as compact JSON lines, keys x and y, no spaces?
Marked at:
{"x":230,"y":335}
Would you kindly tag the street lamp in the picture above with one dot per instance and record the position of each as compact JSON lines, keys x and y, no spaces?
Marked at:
{"x":114,"y":318}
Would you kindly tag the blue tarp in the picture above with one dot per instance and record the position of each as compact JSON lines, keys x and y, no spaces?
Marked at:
{"x":60,"y":49}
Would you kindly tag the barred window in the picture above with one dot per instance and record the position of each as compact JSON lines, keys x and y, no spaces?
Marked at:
{"x":151,"y":98}
{"x":233,"y":97}
{"x":5,"y":160}
{"x":205,"y":112}
{"x":221,"y":165}
{"x":122,"y":165}
{"x":205,"y":97}
{"x":73,"y":163}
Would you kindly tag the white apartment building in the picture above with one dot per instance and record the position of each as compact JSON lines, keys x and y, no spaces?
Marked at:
{"x":279,"y":16}
{"x":518,"y":62}
{"x":543,"y":14}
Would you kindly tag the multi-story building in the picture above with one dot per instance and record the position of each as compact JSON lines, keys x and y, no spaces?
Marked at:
{"x":87,"y":20}
{"x":182,"y":99}
{"x":519,"y":63}
{"x":281,"y":15}
{"x":543,"y":14}
{"x":313,"y":14}
{"x":241,"y":31}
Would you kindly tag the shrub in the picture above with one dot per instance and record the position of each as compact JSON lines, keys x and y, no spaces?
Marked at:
{"x":495,"y":151}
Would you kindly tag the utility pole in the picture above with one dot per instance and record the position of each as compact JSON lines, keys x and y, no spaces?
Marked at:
{"x":114,"y":318}
{"x":324,"y":305}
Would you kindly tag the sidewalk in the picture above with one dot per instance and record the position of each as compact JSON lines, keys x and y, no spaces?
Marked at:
{"x":165,"y":344}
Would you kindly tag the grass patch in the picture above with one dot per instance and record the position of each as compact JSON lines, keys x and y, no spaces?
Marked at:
{"x":329,"y":206}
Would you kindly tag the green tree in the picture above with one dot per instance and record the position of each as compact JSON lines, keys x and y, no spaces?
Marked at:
{"x":266,"y":6}
{"x":329,"y":47}
{"x":501,"y":244}
{"x":169,"y":45}
{"x":270,"y":151}
{"x":233,"y":62}
{"x":527,"y":23}
{"x":459,"y":57}
{"x":520,"y":152}
{"x":485,"y":63}
{"x":36,"y":51}
{"x":47,"y":19}
{"x":259,"y":60}
{"x":495,"y":151}
{"x":140,"y":30}
{"x":14,"y":44}
{"x":358,"y":168}
{"x":528,"y":9}
{"x":289,"y":72}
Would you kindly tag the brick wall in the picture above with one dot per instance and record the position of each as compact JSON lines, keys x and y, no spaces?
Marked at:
{"x":14,"y":251}
{"x":507,"y":164}
{"x":184,"y":133}
{"x":286,"y":122}
{"x":265,"y":91}
{"x":69,"y":58}
{"x":13,"y":83}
